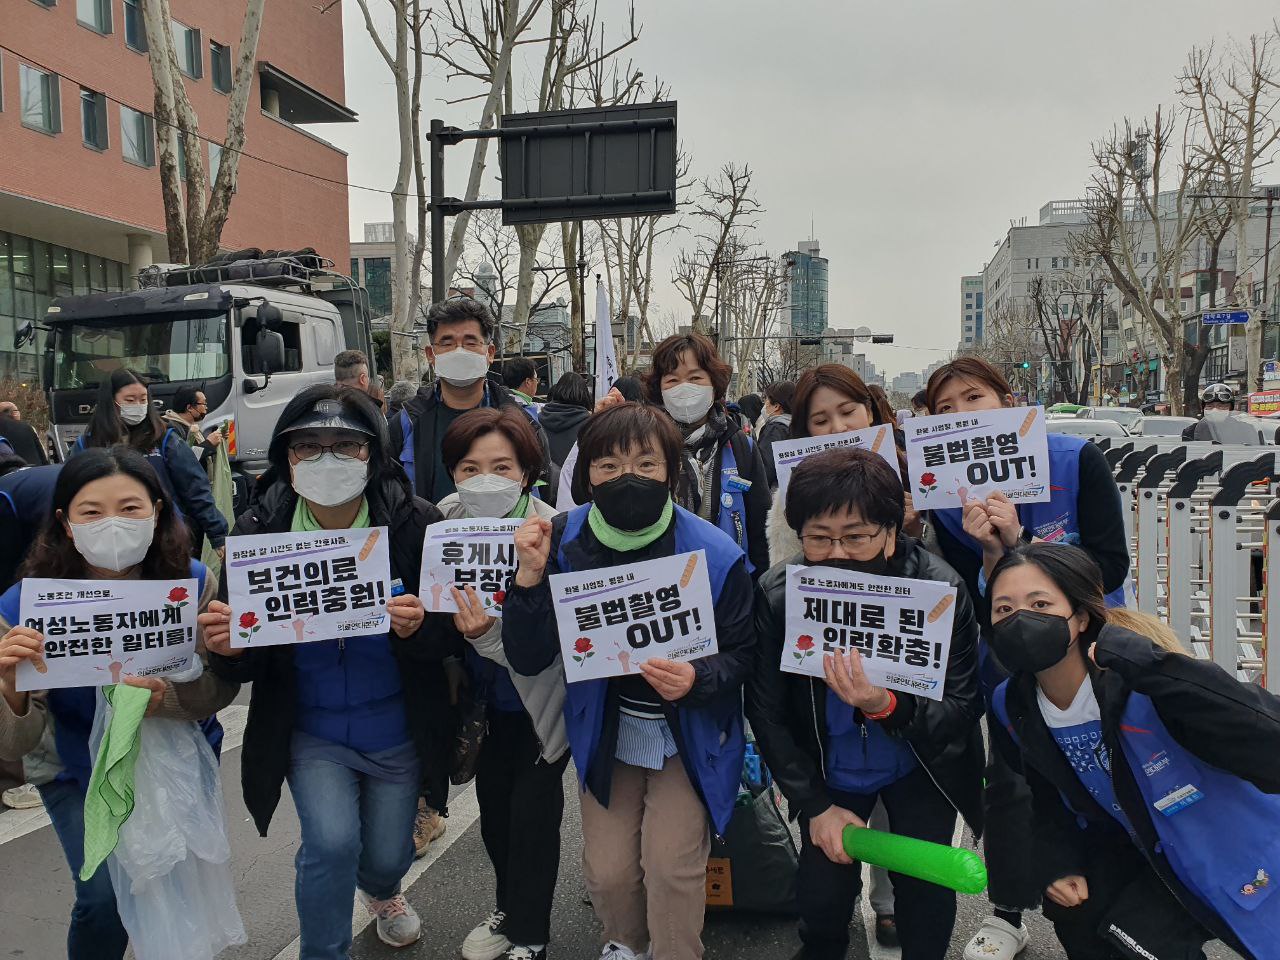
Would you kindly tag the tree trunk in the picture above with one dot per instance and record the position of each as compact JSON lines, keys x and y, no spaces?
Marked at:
{"x":530,"y":238}
{"x":156,"y":23}
{"x":570,"y":237}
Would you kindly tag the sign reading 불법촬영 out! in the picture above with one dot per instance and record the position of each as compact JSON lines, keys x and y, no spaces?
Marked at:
{"x":97,"y":631}
{"x":302,"y":587}
{"x":956,"y":457}
{"x":900,"y":627}
{"x":787,"y":454}
{"x":480,"y":554}
{"x":612,"y":619}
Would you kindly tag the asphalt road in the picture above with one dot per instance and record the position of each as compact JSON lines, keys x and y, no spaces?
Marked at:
{"x":452,"y":890}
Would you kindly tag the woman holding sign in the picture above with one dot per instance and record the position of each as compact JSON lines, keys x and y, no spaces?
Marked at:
{"x":110,"y":520}
{"x":659,"y":746}
{"x":355,"y":725}
{"x":1085,"y":510}
{"x":494,"y":458}
{"x":1155,"y":776}
{"x":836,"y":747}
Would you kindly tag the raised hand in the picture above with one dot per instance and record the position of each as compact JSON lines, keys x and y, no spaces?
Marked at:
{"x":533,"y":546}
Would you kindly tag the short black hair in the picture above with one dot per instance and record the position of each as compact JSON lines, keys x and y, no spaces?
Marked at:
{"x":920,"y":399}
{"x":184,"y":398}
{"x":573,"y":389}
{"x":622,"y":427}
{"x":460,"y":310}
{"x":780,"y":394}
{"x":517,"y":370}
{"x":843,"y":479}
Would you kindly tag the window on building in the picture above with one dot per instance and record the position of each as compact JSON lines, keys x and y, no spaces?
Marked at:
{"x":46,"y":3}
{"x":969,"y":295}
{"x":40,"y":107}
{"x":135,"y":34}
{"x":190,"y":49}
{"x":93,"y":119}
{"x":220,"y":66}
{"x":1144,"y":256}
{"x":355,"y":269}
{"x":215,"y":162}
{"x":94,"y":14}
{"x":1028,"y":263}
{"x":182,"y":158}
{"x":1055,"y":263}
{"x":377,"y":280}
{"x":137,"y":137}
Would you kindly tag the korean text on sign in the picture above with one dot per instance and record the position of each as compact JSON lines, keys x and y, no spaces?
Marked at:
{"x":97,"y":631}
{"x":480,"y":554}
{"x":612,"y":619}
{"x":901,"y":628}
{"x":788,"y":454}
{"x":957,"y":457}
{"x":302,"y":587}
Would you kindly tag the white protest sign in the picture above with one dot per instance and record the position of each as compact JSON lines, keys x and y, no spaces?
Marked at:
{"x":960,"y":456}
{"x":787,"y":454}
{"x":301,"y":587}
{"x":461,"y":553}
{"x":902,"y":628}
{"x":96,"y":631}
{"x":614,"y":618}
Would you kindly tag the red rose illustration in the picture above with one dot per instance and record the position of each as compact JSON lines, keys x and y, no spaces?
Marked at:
{"x":177,"y":594}
{"x":928,"y":479}
{"x":804,"y":643}
{"x":248,"y":620}
{"x":499,"y":596}
{"x":582,"y":645}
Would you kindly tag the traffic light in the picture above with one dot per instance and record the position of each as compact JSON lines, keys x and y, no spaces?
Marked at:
{"x":1026,"y":364}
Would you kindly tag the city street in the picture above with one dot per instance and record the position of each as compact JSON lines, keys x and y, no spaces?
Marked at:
{"x":450,"y":888}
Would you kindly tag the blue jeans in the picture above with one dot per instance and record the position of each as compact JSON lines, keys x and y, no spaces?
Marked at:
{"x":356,"y":829}
{"x":95,"y":932}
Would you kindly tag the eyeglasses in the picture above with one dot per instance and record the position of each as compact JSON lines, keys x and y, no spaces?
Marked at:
{"x":342,"y":450}
{"x":816,"y":543}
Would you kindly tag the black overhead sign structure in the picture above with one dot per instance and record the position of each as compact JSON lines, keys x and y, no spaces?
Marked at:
{"x":560,"y":165}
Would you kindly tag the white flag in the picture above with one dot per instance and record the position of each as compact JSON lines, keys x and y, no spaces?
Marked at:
{"x":606,"y":358}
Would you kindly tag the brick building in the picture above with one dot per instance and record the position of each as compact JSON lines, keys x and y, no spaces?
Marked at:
{"x":80,"y":207}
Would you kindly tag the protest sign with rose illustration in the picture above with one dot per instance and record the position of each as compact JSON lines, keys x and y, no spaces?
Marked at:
{"x":303,"y":587}
{"x":901,"y":629}
{"x":954,"y":457}
{"x":480,"y":554}
{"x":612,"y":619}
{"x":788,"y":454}
{"x":98,"y":631}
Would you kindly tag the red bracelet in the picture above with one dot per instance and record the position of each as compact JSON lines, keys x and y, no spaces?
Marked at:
{"x":893,"y":705}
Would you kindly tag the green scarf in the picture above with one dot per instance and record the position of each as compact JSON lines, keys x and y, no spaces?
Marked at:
{"x":304,"y":521}
{"x":521,"y":509}
{"x":108,"y":802}
{"x":624,"y":540}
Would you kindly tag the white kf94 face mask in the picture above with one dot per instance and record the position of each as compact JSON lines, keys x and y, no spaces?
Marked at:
{"x":329,"y":481}
{"x":133,"y":413}
{"x":114,"y":543}
{"x":460,"y":367}
{"x":688,"y":402}
{"x":489,"y":495}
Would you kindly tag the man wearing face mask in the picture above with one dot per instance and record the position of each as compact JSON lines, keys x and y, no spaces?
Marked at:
{"x":722,"y":478}
{"x":836,"y":747}
{"x":1218,"y":422}
{"x":461,"y":332}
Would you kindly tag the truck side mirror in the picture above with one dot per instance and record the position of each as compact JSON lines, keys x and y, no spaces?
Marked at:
{"x":25,"y":334}
{"x":270,"y":351}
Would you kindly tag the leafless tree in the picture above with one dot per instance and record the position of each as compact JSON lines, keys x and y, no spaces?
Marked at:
{"x":192,"y":226}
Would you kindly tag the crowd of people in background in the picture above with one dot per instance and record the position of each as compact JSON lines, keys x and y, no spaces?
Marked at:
{"x":1095,"y":717}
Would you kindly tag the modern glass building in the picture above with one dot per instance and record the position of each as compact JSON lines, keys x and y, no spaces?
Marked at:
{"x":806,"y":300}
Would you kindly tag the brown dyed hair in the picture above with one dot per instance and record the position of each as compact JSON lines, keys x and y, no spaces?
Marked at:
{"x":840,"y":379}
{"x":622,"y":427}
{"x":509,"y":421}
{"x":666,"y":357}
{"x":966,"y":368}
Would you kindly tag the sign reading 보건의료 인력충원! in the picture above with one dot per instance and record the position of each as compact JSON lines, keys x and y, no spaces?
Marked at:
{"x":900,"y":628}
{"x":957,"y":457}
{"x":612,"y":619}
{"x":303,"y":587}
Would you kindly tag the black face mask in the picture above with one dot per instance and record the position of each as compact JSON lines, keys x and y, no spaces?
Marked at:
{"x":877,"y":566}
{"x":1028,"y":642}
{"x":631,"y":502}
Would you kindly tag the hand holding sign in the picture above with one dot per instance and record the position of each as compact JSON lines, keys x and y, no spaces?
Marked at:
{"x":671,"y":679}
{"x":19,"y":644}
{"x":533,"y":546}
{"x":215,"y":624}
{"x":471,"y":620}
{"x":845,"y":676}
{"x":1004,"y":518}
{"x":407,"y":615}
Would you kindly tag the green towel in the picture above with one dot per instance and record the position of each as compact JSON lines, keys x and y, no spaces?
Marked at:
{"x":109,"y":801}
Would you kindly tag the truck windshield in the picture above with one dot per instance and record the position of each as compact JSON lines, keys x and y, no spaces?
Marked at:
{"x":164,"y":350}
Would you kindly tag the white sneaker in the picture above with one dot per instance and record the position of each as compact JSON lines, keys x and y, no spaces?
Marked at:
{"x":486,"y":942}
{"x":616,"y":951}
{"x":398,"y":923}
{"x":25,"y":797}
{"x":997,"y":939}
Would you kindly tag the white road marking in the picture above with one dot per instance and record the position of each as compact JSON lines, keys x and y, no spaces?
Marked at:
{"x":463,"y":812}
{"x":18,"y":823}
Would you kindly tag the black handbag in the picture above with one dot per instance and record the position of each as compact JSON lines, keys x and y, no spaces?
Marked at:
{"x":753,"y":868}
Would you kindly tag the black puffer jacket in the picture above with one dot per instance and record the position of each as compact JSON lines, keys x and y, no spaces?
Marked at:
{"x":273,"y":702}
{"x":562,"y":421}
{"x":789,"y":717}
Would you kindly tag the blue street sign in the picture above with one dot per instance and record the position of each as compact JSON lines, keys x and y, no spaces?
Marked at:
{"x":1226,"y":316}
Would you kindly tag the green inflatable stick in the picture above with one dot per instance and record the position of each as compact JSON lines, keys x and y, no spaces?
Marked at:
{"x":961,"y":870}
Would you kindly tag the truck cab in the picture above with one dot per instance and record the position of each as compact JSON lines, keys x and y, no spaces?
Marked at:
{"x":248,"y":334}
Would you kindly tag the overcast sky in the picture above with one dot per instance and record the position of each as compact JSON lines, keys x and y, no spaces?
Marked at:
{"x":910,"y":132}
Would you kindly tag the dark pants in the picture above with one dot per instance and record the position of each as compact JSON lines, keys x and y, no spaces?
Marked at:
{"x":827,"y":891}
{"x":95,"y":931}
{"x":1129,"y":904}
{"x":521,"y":802}
{"x":1006,"y":838}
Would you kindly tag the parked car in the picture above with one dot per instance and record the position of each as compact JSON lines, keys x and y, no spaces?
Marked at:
{"x":1093,"y":429}
{"x":1127,"y":417}
{"x":1161,"y":426}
